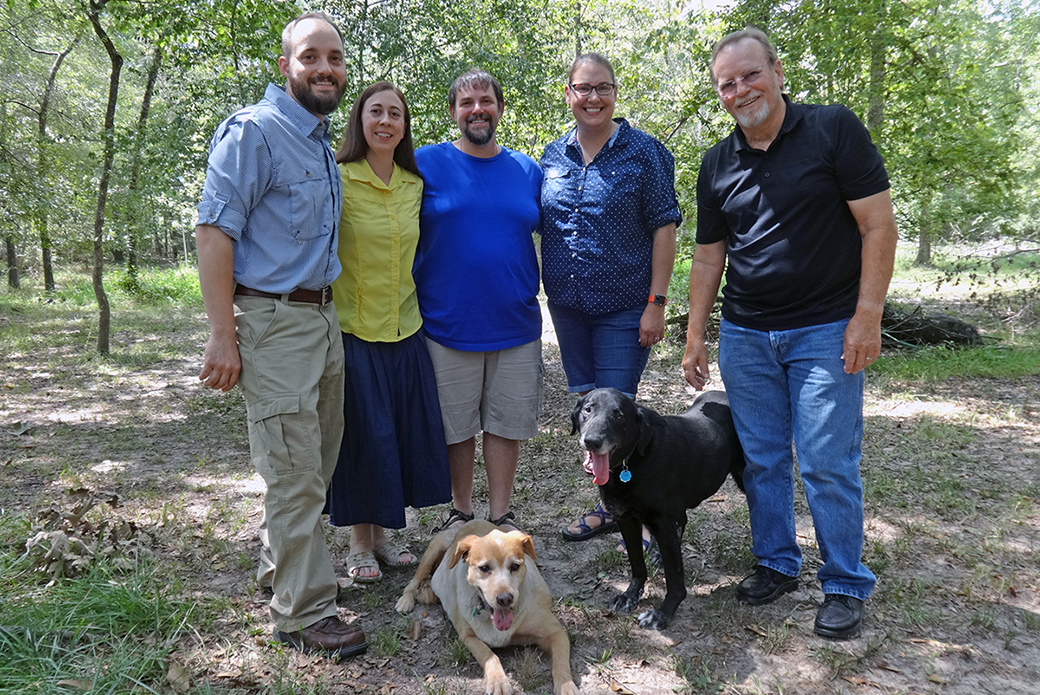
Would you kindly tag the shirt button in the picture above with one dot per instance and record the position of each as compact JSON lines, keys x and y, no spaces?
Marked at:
{"x":767,"y":174}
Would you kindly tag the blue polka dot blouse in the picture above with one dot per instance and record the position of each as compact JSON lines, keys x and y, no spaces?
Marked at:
{"x":598,"y":221}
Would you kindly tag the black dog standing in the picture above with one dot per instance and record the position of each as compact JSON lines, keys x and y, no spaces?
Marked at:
{"x":650,"y":469}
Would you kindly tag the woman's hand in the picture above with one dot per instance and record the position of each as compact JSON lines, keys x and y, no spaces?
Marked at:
{"x":651,"y":325}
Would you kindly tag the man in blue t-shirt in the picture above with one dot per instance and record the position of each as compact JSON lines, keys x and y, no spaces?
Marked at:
{"x":796,"y":201}
{"x":476,"y":275}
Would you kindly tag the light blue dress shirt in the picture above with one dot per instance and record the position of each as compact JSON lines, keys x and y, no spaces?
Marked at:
{"x":273,"y":186}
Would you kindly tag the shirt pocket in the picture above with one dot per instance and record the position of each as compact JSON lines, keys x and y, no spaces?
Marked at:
{"x":310,"y":199}
{"x":557,"y":188}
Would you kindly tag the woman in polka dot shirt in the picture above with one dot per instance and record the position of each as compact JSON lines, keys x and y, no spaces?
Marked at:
{"x":609,"y":214}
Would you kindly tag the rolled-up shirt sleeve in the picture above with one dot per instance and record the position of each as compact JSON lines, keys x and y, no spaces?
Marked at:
{"x":237,"y":176}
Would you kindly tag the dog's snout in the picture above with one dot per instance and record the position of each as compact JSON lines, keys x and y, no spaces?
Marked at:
{"x":593,"y":442}
{"x":504,"y":600}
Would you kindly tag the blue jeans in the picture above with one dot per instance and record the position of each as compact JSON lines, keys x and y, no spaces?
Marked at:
{"x":785,"y":385}
{"x":600,"y":351}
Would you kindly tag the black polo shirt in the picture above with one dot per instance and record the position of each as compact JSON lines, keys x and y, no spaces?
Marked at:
{"x":793,"y":247}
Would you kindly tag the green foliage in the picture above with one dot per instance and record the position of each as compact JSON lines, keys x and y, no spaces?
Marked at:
{"x":107,"y":631}
{"x":935,"y":363}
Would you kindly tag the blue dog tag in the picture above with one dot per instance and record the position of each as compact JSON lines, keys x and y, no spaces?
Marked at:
{"x":625,"y":476}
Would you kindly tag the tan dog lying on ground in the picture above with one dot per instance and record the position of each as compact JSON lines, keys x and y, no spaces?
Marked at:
{"x":494,"y":597}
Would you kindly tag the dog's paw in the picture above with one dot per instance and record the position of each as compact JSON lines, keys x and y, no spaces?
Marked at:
{"x":568,"y":689}
{"x":652,"y":619}
{"x":498,"y":685}
{"x":623,"y":603}
{"x":405,"y":603}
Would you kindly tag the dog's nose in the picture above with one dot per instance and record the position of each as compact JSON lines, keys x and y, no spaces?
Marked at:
{"x":593,"y":443}
{"x":504,"y":600}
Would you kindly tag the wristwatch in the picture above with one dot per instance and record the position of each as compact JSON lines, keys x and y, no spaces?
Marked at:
{"x":658,"y":299}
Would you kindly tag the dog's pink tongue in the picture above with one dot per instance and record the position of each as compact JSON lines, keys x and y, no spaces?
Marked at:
{"x":600,"y":468}
{"x":502,"y":617}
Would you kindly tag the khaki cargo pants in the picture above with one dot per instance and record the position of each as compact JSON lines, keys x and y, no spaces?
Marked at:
{"x":292,"y":380}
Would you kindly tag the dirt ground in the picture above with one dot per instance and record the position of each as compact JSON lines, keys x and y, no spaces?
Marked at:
{"x":953,"y":524}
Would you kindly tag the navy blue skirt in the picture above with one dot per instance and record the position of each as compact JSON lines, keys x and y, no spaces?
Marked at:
{"x":393,"y":453}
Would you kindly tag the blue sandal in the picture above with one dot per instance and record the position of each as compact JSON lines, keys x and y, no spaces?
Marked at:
{"x":607,"y":523}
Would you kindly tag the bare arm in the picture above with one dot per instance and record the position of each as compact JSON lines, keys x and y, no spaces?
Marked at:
{"x":651,"y":325}
{"x":221,"y":364}
{"x":709,"y":260}
{"x":877,"y":225}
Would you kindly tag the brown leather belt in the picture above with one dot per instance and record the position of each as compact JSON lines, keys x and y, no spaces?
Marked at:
{"x":320,"y":297}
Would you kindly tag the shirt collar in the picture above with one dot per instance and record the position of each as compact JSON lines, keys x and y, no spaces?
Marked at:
{"x":623,"y":126}
{"x":307,"y":122}
{"x":361,"y":170}
{"x":792,"y":114}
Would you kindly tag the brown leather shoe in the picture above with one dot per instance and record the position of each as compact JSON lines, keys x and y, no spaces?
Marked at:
{"x":328,"y":635}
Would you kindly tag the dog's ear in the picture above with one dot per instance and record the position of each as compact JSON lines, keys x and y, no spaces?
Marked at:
{"x":576,"y":412}
{"x":462,"y":549}
{"x":645,"y":431}
{"x":529,"y":547}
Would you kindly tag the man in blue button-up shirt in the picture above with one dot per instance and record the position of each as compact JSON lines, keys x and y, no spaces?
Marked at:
{"x":267,"y":253}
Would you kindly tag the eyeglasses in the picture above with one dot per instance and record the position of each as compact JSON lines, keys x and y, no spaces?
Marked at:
{"x":729,"y":87}
{"x":603,"y":89}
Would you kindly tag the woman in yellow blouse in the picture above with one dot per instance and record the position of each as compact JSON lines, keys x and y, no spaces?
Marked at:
{"x":393,"y":453}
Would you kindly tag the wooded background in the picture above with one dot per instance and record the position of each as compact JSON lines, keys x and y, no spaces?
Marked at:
{"x":108,"y":106}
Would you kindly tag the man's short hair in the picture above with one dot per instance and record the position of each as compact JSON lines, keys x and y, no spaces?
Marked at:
{"x":748,"y":33}
{"x":287,"y":32}
{"x":475,"y":78}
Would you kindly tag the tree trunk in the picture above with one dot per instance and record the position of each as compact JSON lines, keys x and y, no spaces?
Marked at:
{"x":924,"y":247}
{"x":876,"y":107}
{"x":133,"y":230}
{"x":104,"y":311}
{"x":12,"y":262}
{"x":577,"y":29}
{"x":44,"y":165}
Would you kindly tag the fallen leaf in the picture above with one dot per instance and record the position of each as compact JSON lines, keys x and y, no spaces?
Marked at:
{"x":416,"y":630}
{"x":178,"y":677}
{"x":756,"y":629}
{"x":620,"y":689}
{"x":936,"y":679}
{"x":80,"y":684}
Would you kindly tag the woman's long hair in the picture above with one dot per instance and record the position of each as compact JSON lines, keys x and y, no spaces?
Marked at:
{"x":354,"y":146}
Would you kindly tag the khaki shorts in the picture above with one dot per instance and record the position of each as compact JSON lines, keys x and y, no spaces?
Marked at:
{"x":498,"y":392}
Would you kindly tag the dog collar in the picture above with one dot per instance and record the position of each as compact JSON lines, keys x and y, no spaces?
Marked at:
{"x":481,"y":605}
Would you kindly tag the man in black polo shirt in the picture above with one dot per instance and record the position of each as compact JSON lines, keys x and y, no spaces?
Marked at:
{"x":797,"y":201}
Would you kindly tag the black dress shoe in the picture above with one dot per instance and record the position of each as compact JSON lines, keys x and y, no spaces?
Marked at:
{"x":330,"y":635}
{"x":840,"y":617}
{"x":765,"y":585}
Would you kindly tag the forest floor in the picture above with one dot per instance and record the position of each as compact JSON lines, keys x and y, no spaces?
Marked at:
{"x":951,"y":469}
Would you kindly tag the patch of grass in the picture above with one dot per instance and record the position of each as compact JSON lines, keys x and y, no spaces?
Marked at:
{"x":386,"y":642}
{"x":107,"y":630}
{"x":697,"y":673}
{"x":458,"y":653}
{"x":531,"y":671}
{"x":939,"y":362}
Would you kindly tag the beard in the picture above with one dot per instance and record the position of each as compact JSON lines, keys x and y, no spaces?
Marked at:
{"x":316,"y":103}
{"x":483,"y":138}
{"x":753,"y":119}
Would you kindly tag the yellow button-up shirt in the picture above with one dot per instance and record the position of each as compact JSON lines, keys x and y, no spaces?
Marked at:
{"x":379,"y":231}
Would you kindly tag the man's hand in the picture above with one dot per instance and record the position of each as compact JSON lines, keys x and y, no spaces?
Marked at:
{"x":221,"y":364}
{"x":862,"y":342}
{"x":695,"y":363}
